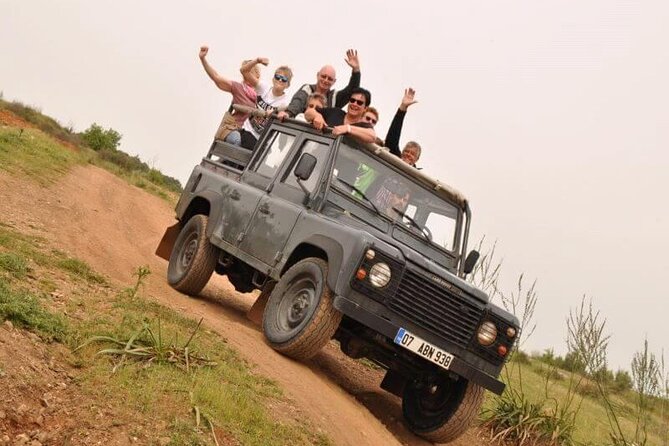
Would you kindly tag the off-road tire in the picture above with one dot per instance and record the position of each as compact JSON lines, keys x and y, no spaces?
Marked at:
{"x":193,"y":258}
{"x":448,"y":421}
{"x":290,"y":327}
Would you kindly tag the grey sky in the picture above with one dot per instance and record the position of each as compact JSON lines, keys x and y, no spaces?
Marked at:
{"x":551,"y":116}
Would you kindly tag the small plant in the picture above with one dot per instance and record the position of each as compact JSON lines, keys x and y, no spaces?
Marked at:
{"x":149,"y":347}
{"x":141,"y":273}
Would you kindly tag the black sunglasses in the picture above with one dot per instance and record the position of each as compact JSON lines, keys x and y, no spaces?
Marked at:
{"x":370,"y":119}
{"x":356,"y":101}
{"x":281,"y":78}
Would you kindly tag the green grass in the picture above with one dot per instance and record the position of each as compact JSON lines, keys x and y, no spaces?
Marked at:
{"x":26,"y":310}
{"x":80,"y":270}
{"x":31,"y":153}
{"x":14,"y":264}
{"x":592,"y":426}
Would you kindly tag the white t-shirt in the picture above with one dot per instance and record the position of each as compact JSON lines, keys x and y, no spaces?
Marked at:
{"x":265,"y":101}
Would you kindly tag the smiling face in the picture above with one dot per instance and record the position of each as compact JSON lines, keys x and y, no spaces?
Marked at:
{"x":411,"y":153}
{"x":357,"y":105}
{"x":325,"y":78}
{"x":281,"y":81}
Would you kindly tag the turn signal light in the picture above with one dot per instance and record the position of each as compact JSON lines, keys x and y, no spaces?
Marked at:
{"x":361,"y":274}
{"x":502,"y":350}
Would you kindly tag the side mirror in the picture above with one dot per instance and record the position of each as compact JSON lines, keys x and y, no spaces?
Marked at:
{"x":471,"y":260}
{"x":305,"y":166}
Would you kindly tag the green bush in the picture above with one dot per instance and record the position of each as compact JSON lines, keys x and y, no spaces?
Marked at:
{"x":45,"y":123}
{"x":98,"y":138}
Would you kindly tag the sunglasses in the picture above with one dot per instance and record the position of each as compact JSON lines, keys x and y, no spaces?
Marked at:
{"x":360,"y":102}
{"x":327,"y":78}
{"x":281,"y":78}
{"x":370,"y":119}
{"x":314,"y":106}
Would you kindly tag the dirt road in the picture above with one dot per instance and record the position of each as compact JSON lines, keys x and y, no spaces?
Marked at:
{"x":116,"y":227}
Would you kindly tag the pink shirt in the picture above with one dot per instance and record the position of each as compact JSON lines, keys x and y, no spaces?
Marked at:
{"x":242,"y":94}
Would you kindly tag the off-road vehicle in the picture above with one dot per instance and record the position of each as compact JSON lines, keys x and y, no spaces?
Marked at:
{"x":346,"y":241}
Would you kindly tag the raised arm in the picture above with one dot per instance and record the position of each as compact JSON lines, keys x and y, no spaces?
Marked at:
{"x":395,"y":129}
{"x":220,"y":81}
{"x":248,"y":72}
{"x":342,"y":96}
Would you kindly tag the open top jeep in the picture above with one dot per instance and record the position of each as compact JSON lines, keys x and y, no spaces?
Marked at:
{"x":347,"y":241}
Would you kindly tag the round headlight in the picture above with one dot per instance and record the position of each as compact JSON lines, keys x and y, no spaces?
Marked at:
{"x":487,"y":333}
{"x":379,"y":275}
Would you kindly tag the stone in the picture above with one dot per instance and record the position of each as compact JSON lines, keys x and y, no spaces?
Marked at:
{"x":164,"y":441}
{"x":8,"y":325}
{"x":21,"y":440}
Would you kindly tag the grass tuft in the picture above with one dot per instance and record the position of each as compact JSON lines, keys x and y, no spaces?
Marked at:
{"x":81,"y":270}
{"x":14,"y":264}
{"x":24,"y":310}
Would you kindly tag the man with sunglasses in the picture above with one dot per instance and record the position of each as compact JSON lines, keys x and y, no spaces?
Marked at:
{"x":346,"y":122}
{"x":269,"y":99}
{"x":325,"y":79}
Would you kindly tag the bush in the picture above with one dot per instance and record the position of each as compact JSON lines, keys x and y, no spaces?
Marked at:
{"x":46,"y":124}
{"x":98,"y":139}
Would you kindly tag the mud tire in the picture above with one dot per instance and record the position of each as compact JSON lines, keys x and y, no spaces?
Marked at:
{"x":443,"y":412}
{"x":300,"y":318}
{"x":193,"y":258}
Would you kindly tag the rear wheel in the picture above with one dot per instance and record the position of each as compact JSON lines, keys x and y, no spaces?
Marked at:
{"x":300,"y":318}
{"x":193,"y":258}
{"x":440,"y":409}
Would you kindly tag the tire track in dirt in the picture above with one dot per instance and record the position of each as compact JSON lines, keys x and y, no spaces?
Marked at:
{"x":116,"y":227}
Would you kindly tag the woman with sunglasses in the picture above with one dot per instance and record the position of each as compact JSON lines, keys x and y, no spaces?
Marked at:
{"x":346,"y":122}
{"x":269,"y":99}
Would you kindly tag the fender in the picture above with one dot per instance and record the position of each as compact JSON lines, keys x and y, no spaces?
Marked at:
{"x":332,"y":248}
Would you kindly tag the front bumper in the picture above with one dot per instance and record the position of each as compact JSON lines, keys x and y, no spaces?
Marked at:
{"x":389,"y":329}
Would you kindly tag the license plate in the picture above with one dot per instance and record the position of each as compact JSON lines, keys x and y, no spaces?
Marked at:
{"x":423,"y":348}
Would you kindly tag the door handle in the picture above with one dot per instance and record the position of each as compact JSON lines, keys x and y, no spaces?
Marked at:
{"x":264,"y":208}
{"x":235,"y":195}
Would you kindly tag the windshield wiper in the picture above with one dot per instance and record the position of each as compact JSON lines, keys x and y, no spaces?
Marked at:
{"x":360,"y":193}
{"x":423,"y":230}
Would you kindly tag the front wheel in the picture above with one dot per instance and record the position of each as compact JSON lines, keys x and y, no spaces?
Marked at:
{"x":440,"y":409}
{"x":299,"y":318}
{"x":193,"y":258}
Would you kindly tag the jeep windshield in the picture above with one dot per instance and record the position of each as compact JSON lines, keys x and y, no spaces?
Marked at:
{"x":392,"y":201}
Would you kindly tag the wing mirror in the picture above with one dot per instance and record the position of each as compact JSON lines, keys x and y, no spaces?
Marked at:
{"x":305,"y":167}
{"x":471,"y":260}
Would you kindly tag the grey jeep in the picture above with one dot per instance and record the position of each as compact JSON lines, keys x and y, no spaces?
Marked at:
{"x":348,"y":242}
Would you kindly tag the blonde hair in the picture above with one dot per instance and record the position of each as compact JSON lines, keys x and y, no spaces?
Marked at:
{"x":285,"y":69}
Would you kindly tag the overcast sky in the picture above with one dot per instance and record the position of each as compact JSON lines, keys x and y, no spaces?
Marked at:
{"x":550,"y":116}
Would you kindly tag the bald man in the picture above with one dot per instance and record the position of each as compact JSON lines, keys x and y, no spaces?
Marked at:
{"x":325,"y":79}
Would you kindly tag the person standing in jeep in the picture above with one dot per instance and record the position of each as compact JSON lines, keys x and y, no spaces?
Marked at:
{"x":325,"y":79}
{"x":269,"y":99}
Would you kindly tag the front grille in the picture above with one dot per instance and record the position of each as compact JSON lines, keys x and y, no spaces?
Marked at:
{"x":436,"y":309}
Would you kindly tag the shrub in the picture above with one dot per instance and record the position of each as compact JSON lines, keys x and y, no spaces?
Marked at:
{"x":97,"y":138}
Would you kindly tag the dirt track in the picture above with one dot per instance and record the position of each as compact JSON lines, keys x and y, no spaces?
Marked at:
{"x":115,"y":227}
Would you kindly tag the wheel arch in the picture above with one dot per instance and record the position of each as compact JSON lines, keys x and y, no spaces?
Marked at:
{"x":318,"y":246}
{"x":206,"y":203}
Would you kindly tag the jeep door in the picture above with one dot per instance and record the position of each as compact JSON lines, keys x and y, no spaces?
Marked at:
{"x":240,"y":200}
{"x":279,"y":209}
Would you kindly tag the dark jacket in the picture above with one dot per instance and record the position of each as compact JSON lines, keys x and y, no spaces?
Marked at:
{"x":334,"y":98}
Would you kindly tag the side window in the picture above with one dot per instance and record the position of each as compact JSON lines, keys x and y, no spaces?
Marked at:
{"x":317,"y":149}
{"x":276,"y":148}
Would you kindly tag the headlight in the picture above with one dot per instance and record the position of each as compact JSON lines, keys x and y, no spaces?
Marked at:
{"x":487,"y":333}
{"x":379,"y":274}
